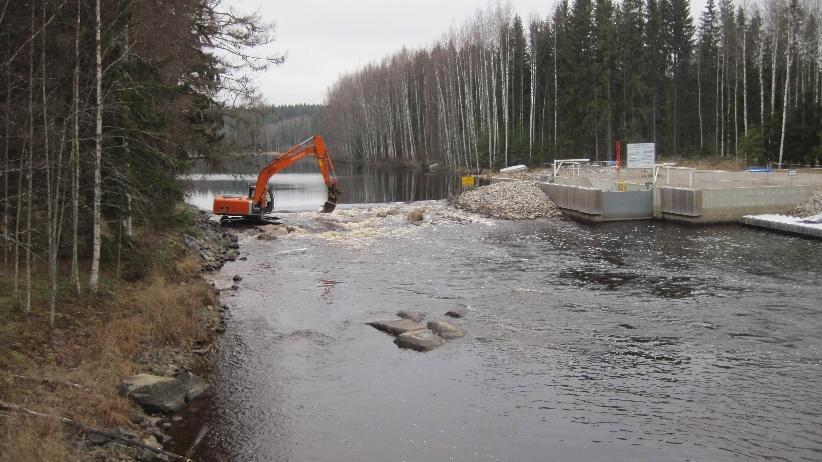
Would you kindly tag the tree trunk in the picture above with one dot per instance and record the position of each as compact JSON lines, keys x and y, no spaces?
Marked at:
{"x":745,"y":80}
{"x":774,"y":49}
{"x":787,"y":91}
{"x":736,"y":106}
{"x":30,"y":172}
{"x":6,"y":175}
{"x":98,"y":155}
{"x":51,"y":203}
{"x":699,"y":99}
{"x":762,"y":81}
{"x":75,"y":161}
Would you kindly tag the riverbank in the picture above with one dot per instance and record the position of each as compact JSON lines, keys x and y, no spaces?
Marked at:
{"x":163,"y":322}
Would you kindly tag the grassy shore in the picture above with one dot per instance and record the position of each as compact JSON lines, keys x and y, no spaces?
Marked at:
{"x":74,"y":369}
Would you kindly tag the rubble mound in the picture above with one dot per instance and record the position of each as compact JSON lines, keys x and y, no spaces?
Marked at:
{"x":811,"y":207}
{"x":509,"y":200}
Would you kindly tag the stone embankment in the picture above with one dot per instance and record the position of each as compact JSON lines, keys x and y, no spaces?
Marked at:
{"x":813,"y":206}
{"x":212,"y":243}
{"x":510,"y":200}
{"x":166,"y":384}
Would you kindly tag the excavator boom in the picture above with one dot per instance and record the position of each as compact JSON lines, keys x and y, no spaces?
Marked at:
{"x":259,"y":200}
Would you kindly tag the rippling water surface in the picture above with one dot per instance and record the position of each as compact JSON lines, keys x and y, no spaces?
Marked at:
{"x":632,"y":341}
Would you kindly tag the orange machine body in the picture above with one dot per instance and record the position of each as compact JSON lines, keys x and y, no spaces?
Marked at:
{"x":260,"y":199}
{"x":232,"y":205}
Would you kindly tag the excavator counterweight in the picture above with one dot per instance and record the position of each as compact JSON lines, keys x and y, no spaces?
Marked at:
{"x":260,"y":199}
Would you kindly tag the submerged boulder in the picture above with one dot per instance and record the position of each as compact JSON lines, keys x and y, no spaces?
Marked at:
{"x":458,"y":312}
{"x":446,"y":330}
{"x":419,"y":340}
{"x":272,"y":232}
{"x":162,"y":394}
{"x":396,"y":326}
{"x":416,"y":316}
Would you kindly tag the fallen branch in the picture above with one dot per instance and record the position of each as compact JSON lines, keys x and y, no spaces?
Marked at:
{"x":51,"y":382}
{"x":87,"y":429}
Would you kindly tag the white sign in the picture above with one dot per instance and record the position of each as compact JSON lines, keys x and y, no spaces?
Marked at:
{"x":641,"y":155}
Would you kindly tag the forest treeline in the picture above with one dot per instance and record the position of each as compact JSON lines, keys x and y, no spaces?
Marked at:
{"x":263,"y":128}
{"x":741,"y":81}
{"x":101,"y":102}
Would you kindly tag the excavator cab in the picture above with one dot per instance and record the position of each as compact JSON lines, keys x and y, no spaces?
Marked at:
{"x":260,"y":199}
{"x":268,"y":207}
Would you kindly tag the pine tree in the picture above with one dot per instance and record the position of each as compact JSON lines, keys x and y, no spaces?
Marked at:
{"x":680,"y":32}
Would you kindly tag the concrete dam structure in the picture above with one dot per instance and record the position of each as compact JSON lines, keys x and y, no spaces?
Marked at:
{"x":681,"y":195}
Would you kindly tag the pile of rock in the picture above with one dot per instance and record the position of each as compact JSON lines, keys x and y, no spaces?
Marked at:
{"x":213,"y":244}
{"x":811,"y":207}
{"x":412,"y":334}
{"x":509,"y":200}
{"x":156,"y":395}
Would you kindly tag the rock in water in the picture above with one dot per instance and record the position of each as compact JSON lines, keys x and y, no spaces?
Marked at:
{"x":420,"y":340}
{"x":458,"y":312}
{"x":397,"y":326}
{"x":162,"y":394}
{"x":446,"y":330}
{"x":415,"y":316}
{"x":194,"y":386}
{"x":272,"y":232}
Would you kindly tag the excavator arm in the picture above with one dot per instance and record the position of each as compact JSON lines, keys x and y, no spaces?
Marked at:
{"x":314,"y":146}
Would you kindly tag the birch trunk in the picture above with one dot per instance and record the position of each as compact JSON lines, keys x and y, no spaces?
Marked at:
{"x":98,"y":154}
{"x":51,"y":204}
{"x":736,"y":106}
{"x":30,"y":172}
{"x":699,"y":99}
{"x":774,"y":50}
{"x":6,"y":175}
{"x":745,"y":80}
{"x":762,"y":80}
{"x":787,"y":91}
{"x":75,"y":161}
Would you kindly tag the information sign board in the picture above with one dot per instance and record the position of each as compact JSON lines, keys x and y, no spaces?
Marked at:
{"x":641,"y":155}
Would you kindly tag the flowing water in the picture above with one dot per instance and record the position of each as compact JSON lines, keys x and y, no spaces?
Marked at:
{"x":628,"y":341}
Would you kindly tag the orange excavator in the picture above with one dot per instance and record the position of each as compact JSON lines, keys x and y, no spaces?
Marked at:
{"x":260,"y":200}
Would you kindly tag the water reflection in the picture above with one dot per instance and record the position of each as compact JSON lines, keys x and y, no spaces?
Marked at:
{"x":301,"y":186}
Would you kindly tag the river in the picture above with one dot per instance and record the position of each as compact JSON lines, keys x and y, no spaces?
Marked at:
{"x":628,"y":341}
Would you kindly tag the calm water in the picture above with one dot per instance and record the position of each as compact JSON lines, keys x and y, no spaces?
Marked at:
{"x":633,"y":341}
{"x":301,"y":187}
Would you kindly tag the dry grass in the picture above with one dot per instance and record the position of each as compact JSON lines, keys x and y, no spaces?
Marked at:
{"x":168,"y":311}
{"x":74,"y":369}
{"x":34,"y":439}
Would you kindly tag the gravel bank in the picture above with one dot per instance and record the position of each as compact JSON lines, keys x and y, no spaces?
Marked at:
{"x":512,"y":200}
{"x":813,"y":206}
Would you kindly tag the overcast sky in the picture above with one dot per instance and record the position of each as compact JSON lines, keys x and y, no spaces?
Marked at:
{"x":324,"y":39}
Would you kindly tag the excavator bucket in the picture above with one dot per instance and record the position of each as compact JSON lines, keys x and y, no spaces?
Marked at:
{"x":331,"y":202}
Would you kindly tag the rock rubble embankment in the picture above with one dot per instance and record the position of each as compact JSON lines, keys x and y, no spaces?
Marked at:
{"x":510,"y":200}
{"x":811,"y":207}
